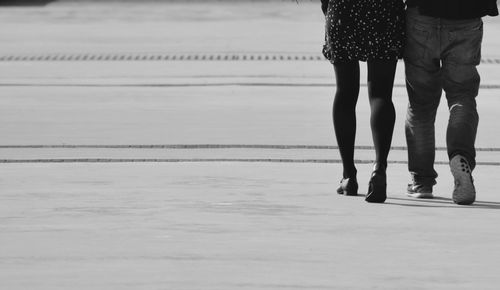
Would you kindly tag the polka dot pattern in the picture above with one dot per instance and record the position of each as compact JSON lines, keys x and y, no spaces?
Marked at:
{"x":364,"y":30}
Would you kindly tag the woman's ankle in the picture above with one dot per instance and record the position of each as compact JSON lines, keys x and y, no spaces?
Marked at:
{"x":379,"y":167}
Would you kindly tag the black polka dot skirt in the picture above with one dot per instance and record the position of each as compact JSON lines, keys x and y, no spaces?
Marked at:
{"x":364,"y":30}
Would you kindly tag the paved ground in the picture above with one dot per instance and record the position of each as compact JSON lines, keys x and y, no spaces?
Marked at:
{"x":203,"y":158}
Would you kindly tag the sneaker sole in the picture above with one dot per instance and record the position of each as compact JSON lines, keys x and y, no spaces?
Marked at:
{"x":466,"y":193}
{"x":425,"y":195}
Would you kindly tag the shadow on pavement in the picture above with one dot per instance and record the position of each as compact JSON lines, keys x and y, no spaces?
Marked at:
{"x":440,"y":202}
{"x":25,"y":2}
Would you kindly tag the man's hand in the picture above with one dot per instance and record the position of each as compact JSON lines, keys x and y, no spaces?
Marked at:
{"x":324,"y":6}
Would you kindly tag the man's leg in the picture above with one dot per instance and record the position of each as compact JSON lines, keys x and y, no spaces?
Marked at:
{"x":461,"y":84}
{"x":422,"y":68}
{"x":424,"y":93}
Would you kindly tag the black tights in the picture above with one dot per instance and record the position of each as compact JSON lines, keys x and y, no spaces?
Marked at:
{"x":380,"y":84}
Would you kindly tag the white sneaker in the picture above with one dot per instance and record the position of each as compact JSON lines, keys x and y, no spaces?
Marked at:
{"x":464,"y":192}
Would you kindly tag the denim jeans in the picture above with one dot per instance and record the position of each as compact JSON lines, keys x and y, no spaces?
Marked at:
{"x":441,"y":55}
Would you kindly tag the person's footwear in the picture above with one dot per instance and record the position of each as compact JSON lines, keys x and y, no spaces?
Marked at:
{"x":464,"y":192}
{"x":377,"y":187}
{"x":348,"y":186}
{"x":417,"y":190}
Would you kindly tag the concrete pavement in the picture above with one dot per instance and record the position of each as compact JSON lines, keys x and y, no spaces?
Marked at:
{"x":236,"y":226}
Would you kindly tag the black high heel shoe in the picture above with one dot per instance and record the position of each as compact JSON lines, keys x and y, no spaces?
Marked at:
{"x":377,"y":187}
{"x":348,"y":186}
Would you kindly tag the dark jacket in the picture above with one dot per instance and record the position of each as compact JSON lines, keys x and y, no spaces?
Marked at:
{"x":456,"y":9}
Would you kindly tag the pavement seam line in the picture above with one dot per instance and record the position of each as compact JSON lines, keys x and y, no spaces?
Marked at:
{"x":203,"y":160}
{"x":210,"y":146}
{"x":48,"y":57}
{"x":175,"y":85}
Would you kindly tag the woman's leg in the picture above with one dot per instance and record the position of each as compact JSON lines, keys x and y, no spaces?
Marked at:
{"x":383,"y":116}
{"x":344,"y":113}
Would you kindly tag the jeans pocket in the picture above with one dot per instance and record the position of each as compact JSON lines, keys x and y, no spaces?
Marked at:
{"x":417,"y":37}
{"x":465,"y":44}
